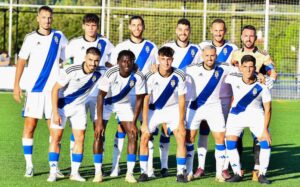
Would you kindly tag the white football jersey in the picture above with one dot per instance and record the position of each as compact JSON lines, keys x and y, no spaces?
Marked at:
{"x":247,"y":97}
{"x":184,"y":56}
{"x":224,"y":54}
{"x":77,"y":47}
{"x":164,"y":91}
{"x":43,"y":53}
{"x":76,"y":86}
{"x":145,"y":53}
{"x":118,"y":88}
{"x":204,"y":85}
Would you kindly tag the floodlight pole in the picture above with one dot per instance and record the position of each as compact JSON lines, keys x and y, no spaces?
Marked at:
{"x":102,"y":17}
{"x":266,"y":38}
{"x":10,"y":27}
{"x":107,"y":18}
{"x":204,"y":20}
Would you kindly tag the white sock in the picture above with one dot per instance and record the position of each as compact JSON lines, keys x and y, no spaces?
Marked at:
{"x":27,"y":149}
{"x":53,"y":161}
{"x":181,"y":165}
{"x":190,"y":158}
{"x":76,"y":162}
{"x":234,"y":157}
{"x":72,"y":142}
{"x":202,"y":150}
{"x":164,"y":144}
{"x":150,"y":156}
{"x":131,"y":158}
{"x":220,"y":158}
{"x":98,"y":162}
{"x":144,"y":163}
{"x":264,"y":157}
{"x":118,"y":146}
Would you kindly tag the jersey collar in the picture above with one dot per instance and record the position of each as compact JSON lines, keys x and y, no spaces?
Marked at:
{"x":136,"y":43}
{"x":182,"y":47}
{"x":254,"y":50}
{"x":89,"y":41}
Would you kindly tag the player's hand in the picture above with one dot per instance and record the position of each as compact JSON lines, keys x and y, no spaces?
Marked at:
{"x":261,"y":78}
{"x":269,"y":82}
{"x":18,"y":95}
{"x":154,"y":68}
{"x":56,"y":119}
{"x":235,"y":63}
{"x":267,"y":136}
{"x":145,"y":129}
{"x":99,"y":128}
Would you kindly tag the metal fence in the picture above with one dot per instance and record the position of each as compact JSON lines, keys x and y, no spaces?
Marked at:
{"x":277,"y":24}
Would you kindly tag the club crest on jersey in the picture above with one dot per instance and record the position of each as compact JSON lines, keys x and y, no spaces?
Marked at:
{"x":193,"y":52}
{"x":173,"y":83}
{"x":147,"y":49}
{"x":99,"y":46}
{"x":131,"y":84}
{"x":254,"y":92}
{"x":56,"y":39}
{"x":225,"y":50}
{"x":216,"y":74}
{"x":94,"y":78}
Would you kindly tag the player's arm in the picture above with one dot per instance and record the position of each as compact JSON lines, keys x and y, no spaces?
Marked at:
{"x":144,"y":127}
{"x":19,"y":71}
{"x":267,"y":114}
{"x":138,"y":107}
{"x":99,"y":125}
{"x":181,"y":103}
{"x":56,"y":116}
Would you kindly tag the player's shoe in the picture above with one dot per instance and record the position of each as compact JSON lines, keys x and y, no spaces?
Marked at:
{"x":151,"y":173}
{"x":235,"y":178}
{"x":225,"y":174}
{"x":220,"y":178}
{"x":182,"y":178}
{"x":190,"y":177}
{"x":59,"y":174}
{"x":262,"y":179}
{"x":52,"y":177}
{"x":77,"y":177}
{"x":255,"y":175}
{"x":143,"y":177}
{"x":199,"y":173}
{"x":28,"y":172}
{"x":115,"y":172}
{"x":164,"y":172}
{"x":98,"y":177}
{"x":130,"y":178}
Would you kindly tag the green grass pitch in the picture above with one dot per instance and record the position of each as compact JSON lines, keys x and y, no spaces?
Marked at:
{"x":284,"y":167}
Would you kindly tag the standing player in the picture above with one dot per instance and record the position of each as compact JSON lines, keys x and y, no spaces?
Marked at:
{"x":114,"y":96}
{"x":164,"y":103}
{"x":224,"y":50}
{"x":42,"y":49}
{"x":68,"y":101}
{"x":206,"y":82}
{"x":76,"y":51}
{"x":264,"y":64}
{"x":251,"y":108}
{"x":145,"y":52}
{"x":185,"y":53}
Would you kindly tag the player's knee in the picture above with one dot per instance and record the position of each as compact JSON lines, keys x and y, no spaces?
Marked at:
{"x":132,"y":136}
{"x":145,"y":139}
{"x":231,"y":144}
{"x":264,"y":144}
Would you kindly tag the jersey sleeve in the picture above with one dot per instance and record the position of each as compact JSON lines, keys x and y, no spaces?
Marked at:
{"x":63,"y":43}
{"x":140,"y":87}
{"x":229,"y":79}
{"x":110,"y":48}
{"x":149,"y":86}
{"x":69,"y":50}
{"x":26,"y":48}
{"x":198,"y":58}
{"x":182,"y":87}
{"x":64,"y":77}
{"x":190,"y":86}
{"x":114,"y":55}
{"x":104,"y":84}
{"x":266,"y":95}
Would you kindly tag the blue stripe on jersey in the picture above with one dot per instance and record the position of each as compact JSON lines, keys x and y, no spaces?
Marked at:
{"x":88,"y":85}
{"x":189,"y":57}
{"x":224,"y":53}
{"x":101,"y":46}
{"x":130,"y":84}
{"x":48,"y":64}
{"x":144,"y":55}
{"x":246,"y":100}
{"x":165,"y":95}
{"x":208,"y":89}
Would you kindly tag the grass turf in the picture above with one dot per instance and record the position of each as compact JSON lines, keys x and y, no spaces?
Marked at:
{"x":284,"y":167}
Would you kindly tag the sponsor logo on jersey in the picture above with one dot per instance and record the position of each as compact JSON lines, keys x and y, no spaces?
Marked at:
{"x":238,"y":86}
{"x":38,"y":43}
{"x":82,"y":48}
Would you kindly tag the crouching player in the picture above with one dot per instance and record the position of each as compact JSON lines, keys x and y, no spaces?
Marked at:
{"x":68,"y":101}
{"x":164,"y":103}
{"x":251,"y":108}
{"x":114,"y":96}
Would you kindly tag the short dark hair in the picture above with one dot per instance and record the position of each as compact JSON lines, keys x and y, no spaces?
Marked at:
{"x":94,"y":51}
{"x":166,"y":51}
{"x":90,"y":18}
{"x":249,"y":27}
{"x":137,"y":17}
{"x":128,"y":53}
{"x":218,"y":20}
{"x":45,"y":8}
{"x":248,"y":58}
{"x":184,"y":21}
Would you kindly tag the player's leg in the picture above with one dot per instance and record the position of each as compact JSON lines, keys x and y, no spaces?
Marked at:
{"x":220,"y":152}
{"x":164,"y":144}
{"x":256,"y":152}
{"x":190,"y":140}
{"x":202,"y":148}
{"x":151,"y":153}
{"x":144,"y":156}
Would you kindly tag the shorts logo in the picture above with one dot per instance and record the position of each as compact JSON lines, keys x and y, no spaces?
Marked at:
{"x":254,"y":92}
{"x":94,"y":78}
{"x":56,"y":39}
{"x":173,"y":83}
{"x":193,"y":52}
{"x":147,"y":49}
{"x":225,"y":51}
{"x":131,"y":84}
{"x":216,"y":74}
{"x":99,"y":46}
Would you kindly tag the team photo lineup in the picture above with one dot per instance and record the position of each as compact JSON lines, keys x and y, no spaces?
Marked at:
{"x":181,"y":89}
